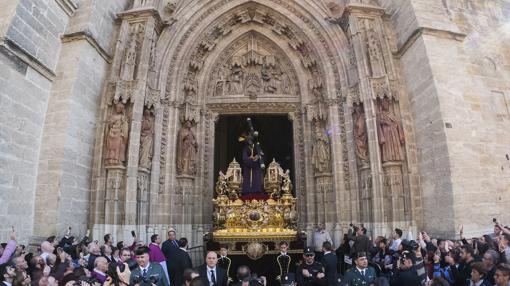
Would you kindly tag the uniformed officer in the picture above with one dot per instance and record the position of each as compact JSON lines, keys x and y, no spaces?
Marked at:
{"x":283,"y":260}
{"x":225,"y":262}
{"x":362,"y":274}
{"x":310,"y":272}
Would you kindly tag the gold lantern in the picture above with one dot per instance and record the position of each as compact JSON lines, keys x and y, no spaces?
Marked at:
{"x":235,"y":179}
{"x":273,"y":180}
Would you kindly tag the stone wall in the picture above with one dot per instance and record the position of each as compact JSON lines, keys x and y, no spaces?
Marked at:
{"x":50,"y":97}
{"x":28,"y":53}
{"x":452,"y":54}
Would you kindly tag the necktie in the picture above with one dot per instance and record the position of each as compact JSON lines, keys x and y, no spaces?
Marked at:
{"x":175,"y":243}
{"x":363,"y":272}
{"x":213,"y":278}
{"x":144,"y":274}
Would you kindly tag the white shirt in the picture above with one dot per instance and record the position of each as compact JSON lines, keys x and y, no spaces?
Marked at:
{"x":7,"y":283}
{"x":209,"y":274}
{"x":362,"y":271}
{"x":395,"y":244}
{"x":319,"y":237}
{"x":146,"y":268}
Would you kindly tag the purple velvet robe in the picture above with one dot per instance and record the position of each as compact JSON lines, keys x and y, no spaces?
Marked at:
{"x":252,"y":173}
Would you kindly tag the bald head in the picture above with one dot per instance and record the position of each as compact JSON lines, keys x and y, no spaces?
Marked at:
{"x":211,"y":259}
{"x":47,"y":247}
{"x":101,"y":264}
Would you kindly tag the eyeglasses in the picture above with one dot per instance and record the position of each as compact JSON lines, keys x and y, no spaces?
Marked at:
{"x":309,"y":255}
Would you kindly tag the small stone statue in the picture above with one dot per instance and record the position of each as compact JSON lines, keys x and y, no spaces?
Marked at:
{"x":321,"y":152}
{"x":146,"y":139}
{"x":117,"y":137}
{"x":360,"y":133}
{"x":391,"y":135}
{"x":187,"y":147}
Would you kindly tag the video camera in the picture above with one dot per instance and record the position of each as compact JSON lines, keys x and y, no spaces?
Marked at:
{"x":153,"y":279}
{"x":254,"y":280}
{"x":409,"y":245}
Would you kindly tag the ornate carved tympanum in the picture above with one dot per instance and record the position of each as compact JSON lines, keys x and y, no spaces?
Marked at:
{"x":252,"y":66}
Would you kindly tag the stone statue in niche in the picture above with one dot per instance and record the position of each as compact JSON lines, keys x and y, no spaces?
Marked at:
{"x":221,"y":86}
{"x":187,"y":148}
{"x":146,"y":139}
{"x":360,"y":132}
{"x":236,"y":80}
{"x":321,"y":152}
{"x":390,"y":133}
{"x":117,"y":137}
{"x":128,"y":68}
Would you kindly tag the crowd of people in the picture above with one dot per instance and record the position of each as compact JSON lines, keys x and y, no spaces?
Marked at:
{"x":359,"y":260}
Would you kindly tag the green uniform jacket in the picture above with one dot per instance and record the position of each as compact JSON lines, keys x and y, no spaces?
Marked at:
{"x":354,"y":278}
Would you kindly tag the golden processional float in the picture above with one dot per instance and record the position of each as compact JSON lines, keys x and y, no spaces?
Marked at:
{"x":255,"y":226}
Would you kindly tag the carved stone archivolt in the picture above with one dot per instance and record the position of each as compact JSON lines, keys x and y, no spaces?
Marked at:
{"x":252,"y":66}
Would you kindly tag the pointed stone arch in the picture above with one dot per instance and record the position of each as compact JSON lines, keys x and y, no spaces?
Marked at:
{"x":316,"y":52}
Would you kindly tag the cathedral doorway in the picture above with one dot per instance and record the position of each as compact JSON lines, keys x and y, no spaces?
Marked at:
{"x":275,"y":137}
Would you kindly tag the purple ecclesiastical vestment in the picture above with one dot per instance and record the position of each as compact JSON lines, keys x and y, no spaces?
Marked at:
{"x":252,"y":173}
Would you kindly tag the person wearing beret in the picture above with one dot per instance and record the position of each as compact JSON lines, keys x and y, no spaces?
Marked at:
{"x":360,"y":275}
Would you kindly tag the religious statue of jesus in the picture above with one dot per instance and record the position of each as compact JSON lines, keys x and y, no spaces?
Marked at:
{"x":251,"y":168}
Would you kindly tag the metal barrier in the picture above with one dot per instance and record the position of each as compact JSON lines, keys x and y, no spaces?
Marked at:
{"x":197,"y":255}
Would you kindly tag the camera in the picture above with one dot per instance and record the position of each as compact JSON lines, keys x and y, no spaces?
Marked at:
{"x":153,"y":279}
{"x":409,"y":245}
{"x":254,"y":280}
{"x":494,"y":220}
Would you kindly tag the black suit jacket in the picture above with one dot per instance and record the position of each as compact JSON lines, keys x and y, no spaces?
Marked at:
{"x":170,"y":251}
{"x":221,"y":275}
{"x":181,"y":262}
{"x":329,"y":262}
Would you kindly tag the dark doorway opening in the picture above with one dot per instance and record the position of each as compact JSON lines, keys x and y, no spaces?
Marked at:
{"x":275,"y":137}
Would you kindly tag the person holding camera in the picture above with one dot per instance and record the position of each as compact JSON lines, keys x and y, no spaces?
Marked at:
{"x":361,"y":241}
{"x":311,"y":272}
{"x":147,"y":273}
{"x":406,"y":274}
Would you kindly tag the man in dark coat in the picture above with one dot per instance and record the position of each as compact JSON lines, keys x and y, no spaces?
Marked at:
{"x":406,"y":274}
{"x":329,"y":261}
{"x":310,"y":272}
{"x":181,"y":262}
{"x":225,"y":262}
{"x":169,"y":249}
{"x":210,"y":273}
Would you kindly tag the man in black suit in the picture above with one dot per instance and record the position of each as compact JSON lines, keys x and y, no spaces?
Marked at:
{"x":210,"y":273}
{"x":225,"y":262}
{"x":147,"y":274}
{"x":283,"y":261}
{"x":181,"y":262}
{"x":169,"y":249}
{"x":329,"y":261}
